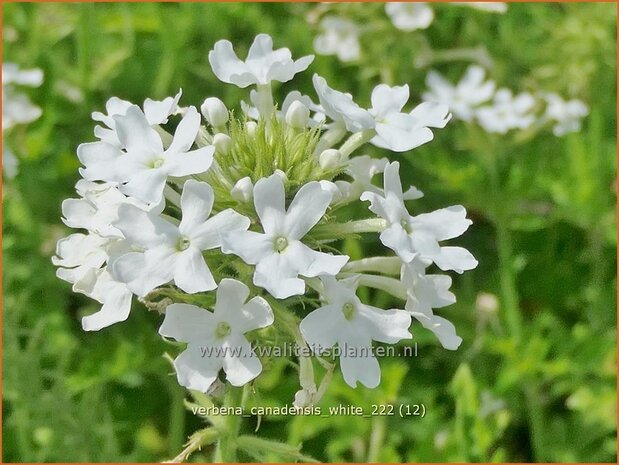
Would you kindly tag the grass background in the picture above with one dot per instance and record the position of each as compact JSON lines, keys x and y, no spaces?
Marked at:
{"x":534,"y":380}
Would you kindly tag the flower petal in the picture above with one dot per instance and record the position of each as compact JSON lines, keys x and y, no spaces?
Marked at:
{"x":146,"y":185}
{"x":251,"y":246}
{"x":186,"y":132}
{"x":187,"y":323}
{"x":443,"y":224}
{"x":135,"y":134}
{"x":307,"y":208}
{"x":457,"y":259}
{"x":196,"y":205}
{"x":388,"y":326}
{"x":195,"y":162}
{"x":269,"y":200}
{"x":195,"y":371}
{"x":143,"y":229}
{"x":240,"y":369}
{"x":209,"y":235}
{"x":191,"y":273}
{"x":320,"y":328}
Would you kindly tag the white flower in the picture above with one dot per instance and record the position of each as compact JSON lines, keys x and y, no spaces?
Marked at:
{"x":243,"y":190}
{"x":352,"y":325}
{"x":216,"y":340}
{"x":410,"y":16}
{"x":114,"y":295}
{"x":507,"y":112}
{"x":263,"y":64}
{"x":278,"y":253}
{"x":146,"y":165}
{"x":464,"y":97}
{"x":362,"y":170}
{"x":425,"y":292}
{"x":80,"y":259}
{"x":17,"y":107}
{"x":98,"y":208}
{"x":338,"y":36}
{"x":174,"y":253}
{"x":400,"y":131}
{"x":490,"y":7}
{"x":419,"y":236}
{"x":341,"y":108}
{"x":566,"y":114}
{"x":10,"y":163}
{"x":156,"y":112}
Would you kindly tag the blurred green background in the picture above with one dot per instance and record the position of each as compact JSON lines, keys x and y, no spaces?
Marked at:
{"x":535,"y":378}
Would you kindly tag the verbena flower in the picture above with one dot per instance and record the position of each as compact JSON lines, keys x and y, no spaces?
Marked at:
{"x":463,"y":98}
{"x":216,"y":340}
{"x":278,"y":253}
{"x":352,"y":325}
{"x":233,"y":203}
{"x":567,"y":115}
{"x":338,"y":36}
{"x":507,"y":112}
{"x":410,"y":16}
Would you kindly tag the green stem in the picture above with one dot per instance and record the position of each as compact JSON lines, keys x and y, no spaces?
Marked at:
{"x":227,"y":444}
{"x":176,"y":434}
{"x":377,"y":437}
{"x":507,"y":277}
{"x":339,"y":230}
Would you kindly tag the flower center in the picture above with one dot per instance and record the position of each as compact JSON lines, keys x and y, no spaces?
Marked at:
{"x":157,"y":163}
{"x":183,"y":243}
{"x":222,"y":330}
{"x":280,"y":244}
{"x":406,"y":226}
{"x":348,"y":310}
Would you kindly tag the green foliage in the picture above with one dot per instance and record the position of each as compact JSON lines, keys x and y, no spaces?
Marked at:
{"x":535,"y":377}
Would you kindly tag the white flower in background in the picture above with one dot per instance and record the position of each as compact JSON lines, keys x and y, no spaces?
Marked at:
{"x":341,"y":108}
{"x":409,"y":16}
{"x":463,"y":98}
{"x":278,"y":253}
{"x":567,"y":115}
{"x":353,"y":325}
{"x":338,"y":36}
{"x":16,"y":108}
{"x":419,"y":236}
{"x":425,"y":292}
{"x":174,"y":253}
{"x":216,"y":339}
{"x":146,"y":165}
{"x":400,"y":131}
{"x":78,"y":253}
{"x":156,"y":112}
{"x":490,"y":7}
{"x":263,"y":64}
{"x":507,"y":112}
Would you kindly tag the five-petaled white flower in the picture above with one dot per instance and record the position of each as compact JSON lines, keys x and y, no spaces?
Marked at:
{"x":216,"y":339}
{"x":400,"y":131}
{"x":412,"y":236}
{"x":409,"y":16}
{"x":338,"y":36}
{"x":425,"y":292}
{"x":146,"y":165}
{"x":278,"y":253}
{"x":263,"y":64}
{"x":155,"y":111}
{"x":353,"y":325}
{"x":463,"y":98}
{"x":174,"y":252}
{"x":507,"y":112}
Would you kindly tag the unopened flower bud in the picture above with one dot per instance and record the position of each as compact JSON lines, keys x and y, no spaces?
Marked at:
{"x":215,"y":112}
{"x":222,"y":143}
{"x":243,"y":190}
{"x":487,"y":303}
{"x":297,"y":115}
{"x":251,"y":127}
{"x":329,"y":159}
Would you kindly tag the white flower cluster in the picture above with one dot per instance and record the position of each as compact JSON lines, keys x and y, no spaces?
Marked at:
{"x":474,"y":98}
{"x":341,"y":36}
{"x":249,"y":206}
{"x":16,"y":107}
